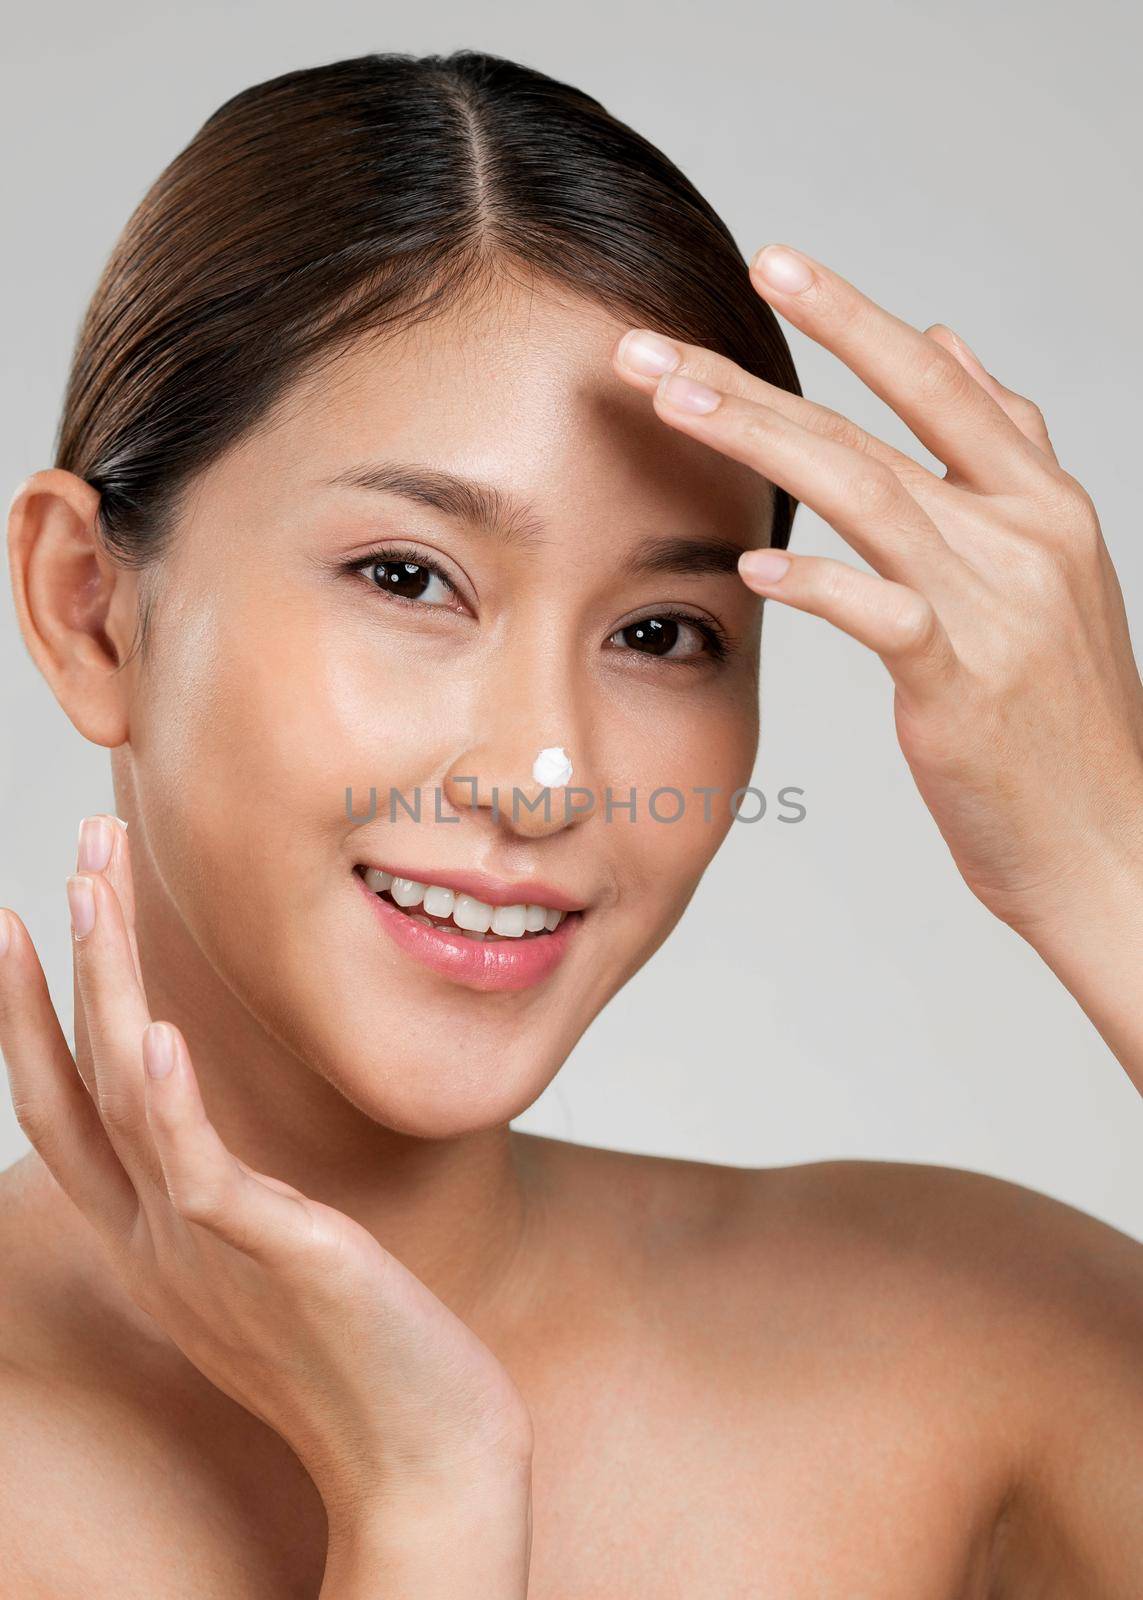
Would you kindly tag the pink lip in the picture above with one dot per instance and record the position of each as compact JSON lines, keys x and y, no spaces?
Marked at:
{"x":503,"y":964}
{"x":482,"y":886}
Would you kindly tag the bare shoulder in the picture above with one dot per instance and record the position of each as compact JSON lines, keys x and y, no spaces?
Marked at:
{"x":988,"y":1260}
{"x":1024,"y":1312}
{"x":111,"y":1476}
{"x":947,"y":1225}
{"x":977,"y":1216}
{"x":64,"y":1450}
{"x":43,"y":1433}
{"x":98,"y":1499}
{"x":877,"y":1235}
{"x":845,"y":1341}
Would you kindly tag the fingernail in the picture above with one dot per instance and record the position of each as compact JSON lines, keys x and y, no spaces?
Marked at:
{"x":647,"y":353}
{"x":121,"y":823}
{"x":158,"y":1049}
{"x":5,"y":933}
{"x":94,"y":844}
{"x":971,"y":354}
{"x":687,"y":395}
{"x":967,"y":348}
{"x":81,"y":903}
{"x":764,"y":566}
{"x":783,"y":268}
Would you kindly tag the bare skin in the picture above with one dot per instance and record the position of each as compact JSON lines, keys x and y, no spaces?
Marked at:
{"x":833,"y":1379}
{"x":846,"y":1378}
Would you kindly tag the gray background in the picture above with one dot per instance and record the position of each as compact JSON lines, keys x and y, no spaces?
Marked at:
{"x":834,"y":989}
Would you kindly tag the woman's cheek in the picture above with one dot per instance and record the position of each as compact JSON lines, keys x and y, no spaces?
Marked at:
{"x":685,"y":764}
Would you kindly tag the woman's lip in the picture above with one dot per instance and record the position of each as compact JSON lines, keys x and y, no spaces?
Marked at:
{"x":500,"y":964}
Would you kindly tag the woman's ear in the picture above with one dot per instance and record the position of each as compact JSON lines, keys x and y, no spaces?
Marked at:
{"x":76,"y":608}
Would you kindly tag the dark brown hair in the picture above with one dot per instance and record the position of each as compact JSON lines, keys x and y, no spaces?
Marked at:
{"x":365,"y":195}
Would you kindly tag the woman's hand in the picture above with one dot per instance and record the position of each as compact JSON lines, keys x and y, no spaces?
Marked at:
{"x":396,"y":1409}
{"x":992,"y":601}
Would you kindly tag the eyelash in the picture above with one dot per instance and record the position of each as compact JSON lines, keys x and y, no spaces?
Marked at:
{"x":717,"y":639}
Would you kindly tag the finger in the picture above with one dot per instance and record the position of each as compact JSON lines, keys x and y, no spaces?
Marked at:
{"x":642,"y":356}
{"x":114,"y":1016}
{"x":863,"y":499}
{"x":894,"y":621}
{"x":54,"y":1110}
{"x":103,"y":847}
{"x":1024,"y":412}
{"x":925,"y":385}
{"x":205,"y":1183}
{"x":275,"y":1183}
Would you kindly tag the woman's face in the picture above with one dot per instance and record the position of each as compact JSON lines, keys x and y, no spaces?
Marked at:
{"x":278,"y":677}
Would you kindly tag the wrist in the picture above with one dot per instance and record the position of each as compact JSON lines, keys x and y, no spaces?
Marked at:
{"x":426,"y":1541}
{"x":1089,"y":932}
{"x":1099,"y":893}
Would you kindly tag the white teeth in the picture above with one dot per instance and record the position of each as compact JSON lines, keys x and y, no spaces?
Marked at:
{"x":474,"y":917}
{"x":509,"y":920}
{"x":439,"y":901}
{"x":471,"y":914}
{"x":407,"y":891}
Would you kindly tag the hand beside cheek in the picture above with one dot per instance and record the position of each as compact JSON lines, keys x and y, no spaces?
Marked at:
{"x":287,"y":1305}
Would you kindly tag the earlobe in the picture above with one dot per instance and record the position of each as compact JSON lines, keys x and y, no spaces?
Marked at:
{"x":72,"y":600}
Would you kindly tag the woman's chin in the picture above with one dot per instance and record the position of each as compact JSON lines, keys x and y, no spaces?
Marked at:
{"x":439,"y":1096}
{"x":415,"y":1071}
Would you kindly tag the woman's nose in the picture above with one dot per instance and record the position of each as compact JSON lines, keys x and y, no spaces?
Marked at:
{"x":499,"y":780}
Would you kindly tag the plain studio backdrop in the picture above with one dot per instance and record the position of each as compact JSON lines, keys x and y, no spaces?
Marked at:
{"x":833,"y":989}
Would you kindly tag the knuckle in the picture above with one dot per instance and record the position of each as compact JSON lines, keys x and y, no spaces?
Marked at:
{"x":1027,"y":411}
{"x":117,"y":1109}
{"x":1044,"y":574}
{"x":198,"y":1201}
{"x":758,"y":423}
{"x":35,"y":1119}
{"x":876,"y":492}
{"x":914,"y":622}
{"x":835,"y":582}
{"x":1070,"y":492}
{"x":205,"y":1197}
{"x":1068,"y":520}
{"x":707,"y":366}
{"x":834,"y":425}
{"x":940,"y":377}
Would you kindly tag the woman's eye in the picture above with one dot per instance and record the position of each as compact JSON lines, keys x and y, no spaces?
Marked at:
{"x":666,"y":636}
{"x":407,"y":580}
{"x":670,"y":637}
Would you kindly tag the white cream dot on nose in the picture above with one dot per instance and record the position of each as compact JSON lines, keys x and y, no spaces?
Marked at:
{"x":552,"y":768}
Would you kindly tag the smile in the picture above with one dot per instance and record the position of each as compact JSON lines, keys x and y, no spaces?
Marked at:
{"x":478,"y":943}
{"x":436,"y":905}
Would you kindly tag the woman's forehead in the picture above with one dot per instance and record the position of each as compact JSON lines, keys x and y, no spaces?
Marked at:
{"x":516,"y":391}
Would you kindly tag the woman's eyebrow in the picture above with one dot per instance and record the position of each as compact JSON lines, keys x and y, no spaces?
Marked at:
{"x":682,"y":554}
{"x":514,"y":522}
{"x":481,"y":504}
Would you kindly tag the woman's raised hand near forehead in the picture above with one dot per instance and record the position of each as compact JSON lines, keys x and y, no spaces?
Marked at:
{"x":992,"y":601}
{"x":403,"y":1418}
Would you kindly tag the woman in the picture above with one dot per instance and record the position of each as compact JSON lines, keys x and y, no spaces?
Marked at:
{"x":426,"y":430}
